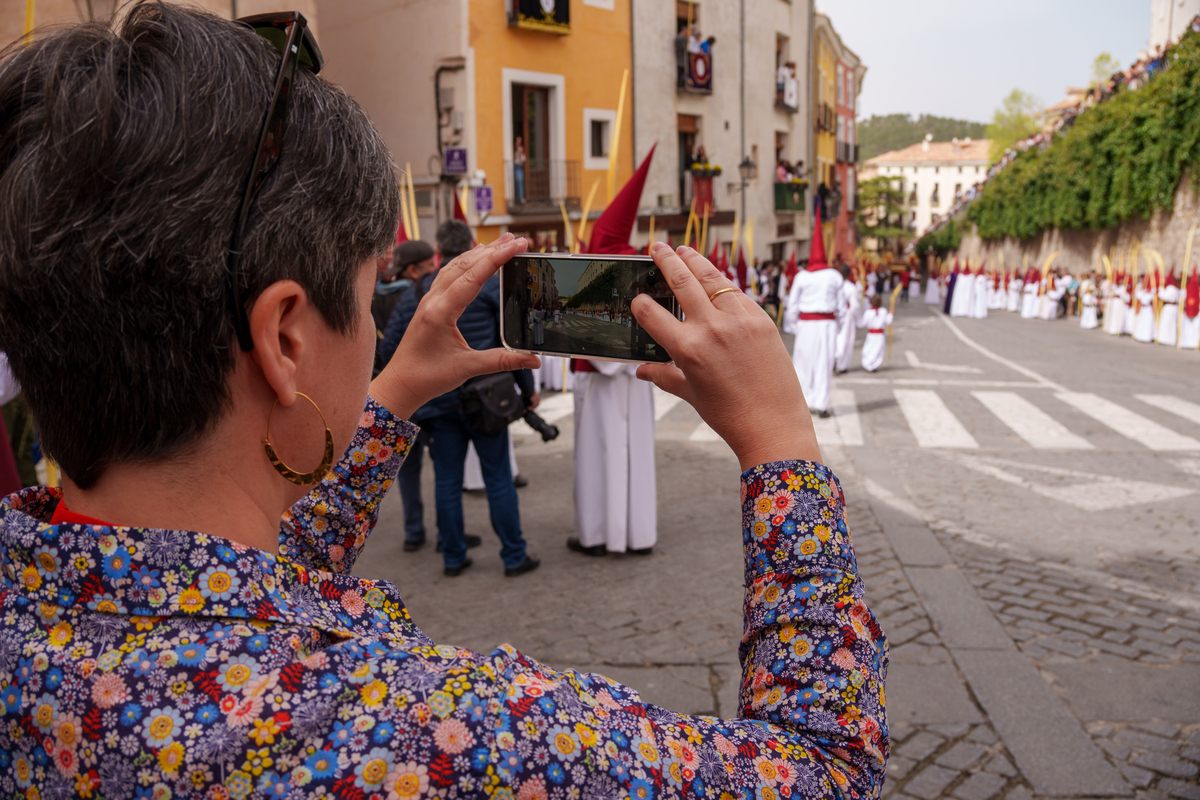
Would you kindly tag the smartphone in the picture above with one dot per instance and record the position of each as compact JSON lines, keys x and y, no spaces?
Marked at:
{"x":578,"y":306}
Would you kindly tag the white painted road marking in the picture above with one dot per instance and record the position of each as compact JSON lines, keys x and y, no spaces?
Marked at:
{"x":1099,"y":493}
{"x":1176,"y":405}
{"x":1029,"y":422}
{"x":663,"y":402}
{"x":917,"y":363}
{"x":1128,"y":423}
{"x":931,"y":422}
{"x":845,"y":411}
{"x":703,"y":433}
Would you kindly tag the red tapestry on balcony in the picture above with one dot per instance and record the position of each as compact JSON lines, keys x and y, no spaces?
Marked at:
{"x":702,"y":190}
{"x":699,"y":73}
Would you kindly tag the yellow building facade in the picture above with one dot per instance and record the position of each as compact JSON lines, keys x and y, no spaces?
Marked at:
{"x":474,"y":75}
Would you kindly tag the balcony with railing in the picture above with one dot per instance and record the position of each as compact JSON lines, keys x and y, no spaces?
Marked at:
{"x":789,"y":196}
{"x":541,"y":185}
{"x":693,"y":66}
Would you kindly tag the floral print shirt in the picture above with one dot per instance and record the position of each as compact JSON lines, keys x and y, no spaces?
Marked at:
{"x":164,"y":664}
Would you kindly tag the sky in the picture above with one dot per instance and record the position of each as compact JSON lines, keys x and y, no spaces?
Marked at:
{"x":960,"y":58}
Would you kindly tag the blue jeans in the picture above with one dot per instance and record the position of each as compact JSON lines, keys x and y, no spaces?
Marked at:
{"x":449,"y":435}
{"x":409,"y":479}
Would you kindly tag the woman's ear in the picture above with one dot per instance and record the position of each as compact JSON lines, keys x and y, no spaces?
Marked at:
{"x":277,"y":325}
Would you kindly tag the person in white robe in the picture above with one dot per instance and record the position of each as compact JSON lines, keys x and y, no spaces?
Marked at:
{"x":1144,"y":323}
{"x":1087,"y":303}
{"x":1115,"y":308}
{"x":997,"y":299}
{"x":1029,"y":297}
{"x":551,"y":374}
{"x":964,"y":291}
{"x":1055,"y":288}
{"x":981,"y":297}
{"x":851,"y":305}
{"x":933,"y":290}
{"x":1015,"y":285}
{"x":812,"y":315}
{"x":1168,"y":314}
{"x":1189,"y":318}
{"x":1129,"y":318}
{"x":616,"y":504}
{"x":875,"y":319}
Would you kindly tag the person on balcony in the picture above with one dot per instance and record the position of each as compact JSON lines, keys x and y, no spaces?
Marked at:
{"x":519,"y":160}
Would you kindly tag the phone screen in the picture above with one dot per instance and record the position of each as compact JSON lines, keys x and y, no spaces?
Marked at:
{"x":579,"y":305}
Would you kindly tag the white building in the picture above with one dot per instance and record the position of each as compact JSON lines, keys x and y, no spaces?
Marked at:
{"x":933,"y":176}
{"x":1168,"y":18}
{"x":739,"y":114}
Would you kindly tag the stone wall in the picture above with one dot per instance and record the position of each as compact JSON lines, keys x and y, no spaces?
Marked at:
{"x":1080,"y":250}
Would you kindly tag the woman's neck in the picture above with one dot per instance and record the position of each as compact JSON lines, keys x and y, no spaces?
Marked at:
{"x":223,"y":487}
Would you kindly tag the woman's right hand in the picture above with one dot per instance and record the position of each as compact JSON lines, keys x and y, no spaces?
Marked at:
{"x":730,"y":363}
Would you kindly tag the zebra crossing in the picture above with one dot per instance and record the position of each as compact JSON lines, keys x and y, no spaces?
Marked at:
{"x":935,"y":425}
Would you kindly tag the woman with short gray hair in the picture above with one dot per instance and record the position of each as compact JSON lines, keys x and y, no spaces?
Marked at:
{"x":187,"y":258}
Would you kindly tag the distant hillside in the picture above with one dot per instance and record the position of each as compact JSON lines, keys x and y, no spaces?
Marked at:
{"x":896,"y":131}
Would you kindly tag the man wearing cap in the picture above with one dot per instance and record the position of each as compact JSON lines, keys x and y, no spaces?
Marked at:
{"x":813,"y":311}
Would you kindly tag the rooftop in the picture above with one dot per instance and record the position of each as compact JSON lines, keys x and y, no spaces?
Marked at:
{"x":975,"y":151}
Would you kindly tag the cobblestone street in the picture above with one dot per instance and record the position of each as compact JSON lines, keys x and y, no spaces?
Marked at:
{"x":1042,"y":603}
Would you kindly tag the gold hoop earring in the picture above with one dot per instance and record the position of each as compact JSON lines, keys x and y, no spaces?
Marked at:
{"x":301,"y":478}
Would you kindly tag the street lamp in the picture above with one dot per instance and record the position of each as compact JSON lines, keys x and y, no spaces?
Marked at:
{"x":746,"y":169}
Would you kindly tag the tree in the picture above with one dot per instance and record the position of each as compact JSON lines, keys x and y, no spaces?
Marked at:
{"x":882,"y":134}
{"x":1104,"y":67}
{"x":881,"y":211}
{"x":1015,"y":119}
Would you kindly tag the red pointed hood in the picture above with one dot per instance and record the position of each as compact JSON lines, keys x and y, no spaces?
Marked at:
{"x":459,"y":214}
{"x":816,"y":256}
{"x":741,"y":268}
{"x":791,"y":267}
{"x":610,"y":234}
{"x":1173,"y":279}
{"x":1191,"y":305}
{"x":401,"y":236}
{"x":715,"y":255}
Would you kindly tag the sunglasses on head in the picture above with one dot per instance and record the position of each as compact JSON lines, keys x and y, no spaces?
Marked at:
{"x":288,"y":32}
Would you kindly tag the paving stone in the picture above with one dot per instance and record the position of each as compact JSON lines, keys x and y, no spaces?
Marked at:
{"x":1000,"y":765}
{"x":1076,"y":625}
{"x":1066,"y":648}
{"x":1190,"y":753}
{"x":983,"y":735}
{"x":1179,"y":789}
{"x":898,"y":766}
{"x":1143,"y":741}
{"x":921,"y":746}
{"x":980,"y":786}
{"x":1167,"y":730}
{"x":1167,"y":765}
{"x":1114,"y":648}
{"x":1018,"y":793}
{"x":951,"y":730}
{"x":1136,"y":776}
{"x":1153,"y":647}
{"x":961,"y":756}
{"x":1024,"y":605}
{"x":929,"y":782}
{"x":1163,"y":636}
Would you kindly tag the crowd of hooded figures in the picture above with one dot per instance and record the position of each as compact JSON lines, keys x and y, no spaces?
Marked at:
{"x":1158,"y":306}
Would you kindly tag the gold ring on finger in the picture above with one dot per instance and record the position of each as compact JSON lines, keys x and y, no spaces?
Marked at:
{"x":722,"y":291}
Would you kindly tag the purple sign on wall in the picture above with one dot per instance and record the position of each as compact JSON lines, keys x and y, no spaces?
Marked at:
{"x":454,"y":161}
{"x":483,"y":200}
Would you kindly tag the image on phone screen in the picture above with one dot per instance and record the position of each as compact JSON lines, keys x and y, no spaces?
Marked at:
{"x":580,"y":306}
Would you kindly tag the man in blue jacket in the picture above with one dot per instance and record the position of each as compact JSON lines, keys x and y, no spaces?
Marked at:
{"x":448,"y":429}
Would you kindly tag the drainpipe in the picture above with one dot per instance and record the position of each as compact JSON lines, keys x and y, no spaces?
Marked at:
{"x":437,"y":117}
{"x":633,"y":84}
{"x":742,"y":67}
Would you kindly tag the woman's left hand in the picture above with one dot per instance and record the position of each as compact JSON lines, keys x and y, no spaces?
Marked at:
{"x":433,"y":358}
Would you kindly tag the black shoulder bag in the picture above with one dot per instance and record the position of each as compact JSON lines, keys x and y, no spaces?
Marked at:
{"x":491,"y":402}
